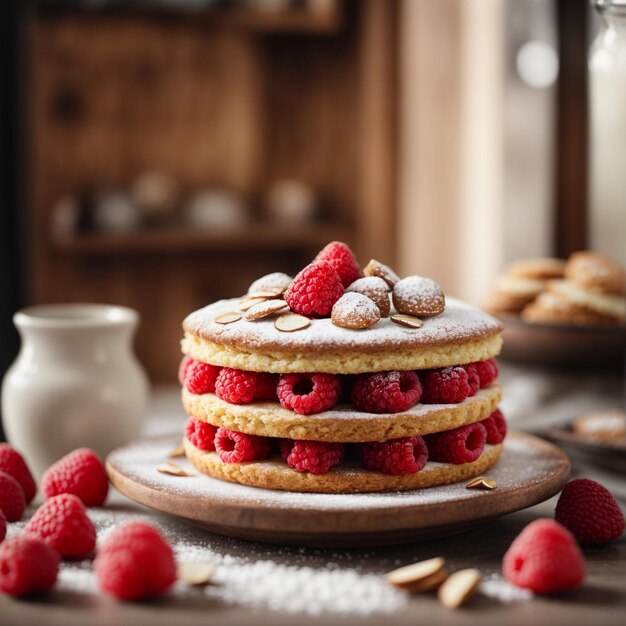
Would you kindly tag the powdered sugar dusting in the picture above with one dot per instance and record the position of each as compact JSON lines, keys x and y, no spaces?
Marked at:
{"x":495,"y":587}
{"x":460,"y":322}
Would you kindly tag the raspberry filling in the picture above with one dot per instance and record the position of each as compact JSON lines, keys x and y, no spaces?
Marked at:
{"x":310,"y":393}
{"x":406,"y":455}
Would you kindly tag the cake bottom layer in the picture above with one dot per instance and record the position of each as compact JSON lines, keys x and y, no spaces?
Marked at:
{"x":347,"y":478}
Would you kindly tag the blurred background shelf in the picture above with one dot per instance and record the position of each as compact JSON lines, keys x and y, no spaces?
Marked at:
{"x":185,"y":240}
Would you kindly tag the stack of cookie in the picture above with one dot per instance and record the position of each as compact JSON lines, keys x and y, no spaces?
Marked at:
{"x":342,"y":380}
{"x":588,"y":289}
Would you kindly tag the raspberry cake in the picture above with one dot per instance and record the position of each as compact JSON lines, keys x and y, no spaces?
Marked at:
{"x":342,"y":380}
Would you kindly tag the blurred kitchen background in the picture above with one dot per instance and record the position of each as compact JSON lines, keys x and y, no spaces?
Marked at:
{"x":161,"y":154}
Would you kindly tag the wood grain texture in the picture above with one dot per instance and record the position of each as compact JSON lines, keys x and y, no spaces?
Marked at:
{"x":209,"y":102}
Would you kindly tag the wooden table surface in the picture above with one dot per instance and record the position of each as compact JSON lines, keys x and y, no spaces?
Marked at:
{"x":536,"y":400}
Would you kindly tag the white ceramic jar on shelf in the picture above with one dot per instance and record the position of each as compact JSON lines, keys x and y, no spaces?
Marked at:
{"x":76,"y":382}
{"x":607,"y":137}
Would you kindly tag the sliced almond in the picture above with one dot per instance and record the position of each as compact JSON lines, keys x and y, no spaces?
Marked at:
{"x":409,"y":321}
{"x":265,"y":309}
{"x":459,"y":588}
{"x":421,"y":576}
{"x":172,"y":469}
{"x":195,"y":573}
{"x":270,"y":293}
{"x":244,"y":305}
{"x":480,"y":482}
{"x":289,"y":322}
{"x":177,"y":452}
{"x":376,"y":268}
{"x":228,"y":318}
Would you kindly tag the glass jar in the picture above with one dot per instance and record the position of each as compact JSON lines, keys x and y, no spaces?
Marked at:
{"x":607,"y":137}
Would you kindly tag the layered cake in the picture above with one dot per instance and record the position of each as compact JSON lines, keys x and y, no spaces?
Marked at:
{"x":342,"y":380}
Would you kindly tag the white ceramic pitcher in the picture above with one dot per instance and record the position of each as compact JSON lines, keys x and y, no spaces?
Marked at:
{"x":76,"y":382}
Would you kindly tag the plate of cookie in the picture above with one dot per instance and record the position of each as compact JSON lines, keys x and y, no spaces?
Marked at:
{"x":558,"y":312}
{"x":598,"y":437}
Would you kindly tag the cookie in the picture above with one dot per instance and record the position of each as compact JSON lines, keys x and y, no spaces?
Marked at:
{"x":595,"y":272}
{"x":511,"y":295}
{"x":375,"y":289}
{"x":342,"y":423}
{"x":603,"y":426}
{"x":346,"y":478}
{"x":461,"y":334}
{"x":274,"y":284}
{"x":355,"y":311}
{"x":536,"y":269}
{"x":419,"y":296}
{"x":550,"y":308}
{"x":604,"y":304}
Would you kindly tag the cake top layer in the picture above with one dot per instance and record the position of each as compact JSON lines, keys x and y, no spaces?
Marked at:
{"x":460,"y":323}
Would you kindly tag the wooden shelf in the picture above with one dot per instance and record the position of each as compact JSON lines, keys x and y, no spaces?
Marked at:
{"x":182,"y":240}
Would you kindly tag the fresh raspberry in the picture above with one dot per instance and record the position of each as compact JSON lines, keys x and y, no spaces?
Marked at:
{"x":201,"y":434}
{"x":487,"y":371}
{"x":589,"y":511}
{"x":185,"y":363}
{"x":62,"y":522}
{"x":386,"y":392}
{"x":238,"y":386}
{"x":265,"y":386}
{"x":27,"y":565}
{"x":3,"y":526}
{"x":12,"y":500}
{"x":340,"y":256}
{"x":200,"y":377}
{"x":308,"y":393}
{"x":135,"y":562}
{"x":406,"y":455}
{"x":449,"y":385}
{"x":459,"y":445}
{"x":495,"y":425}
{"x":13,"y":464}
{"x":544,"y":558}
{"x":234,"y":447}
{"x":473,"y":379}
{"x":80,"y":473}
{"x":315,"y":457}
{"x":314,"y":290}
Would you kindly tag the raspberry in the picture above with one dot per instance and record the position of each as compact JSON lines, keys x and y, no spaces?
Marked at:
{"x":314,"y":290}
{"x":234,"y":447}
{"x":342,"y":259}
{"x":487,"y":371}
{"x":13,"y":464}
{"x":449,"y":385}
{"x":200,"y":434}
{"x":63,"y":524}
{"x":27,"y":565}
{"x":459,"y":445}
{"x":406,"y":455}
{"x":135,"y":562}
{"x":308,"y":393}
{"x":386,"y":392}
{"x":544,"y":558}
{"x":265,"y":386}
{"x":473,"y":379}
{"x":200,"y":377}
{"x":589,"y":511}
{"x":240,"y":387}
{"x":315,"y":457}
{"x":80,"y":473}
{"x":12,"y":500}
{"x":185,"y":363}
{"x":495,"y":425}
{"x":3,"y":526}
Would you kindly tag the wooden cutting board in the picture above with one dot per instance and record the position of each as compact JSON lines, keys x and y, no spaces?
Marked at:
{"x":530,"y":471}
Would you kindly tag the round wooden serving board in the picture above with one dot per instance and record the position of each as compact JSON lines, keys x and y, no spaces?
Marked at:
{"x":529,"y":471}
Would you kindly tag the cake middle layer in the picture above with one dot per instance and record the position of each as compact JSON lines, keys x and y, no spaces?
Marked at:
{"x":342,"y":423}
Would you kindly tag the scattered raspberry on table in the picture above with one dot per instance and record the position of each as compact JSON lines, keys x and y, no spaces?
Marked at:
{"x":13,"y":464}
{"x":12,"y":500}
